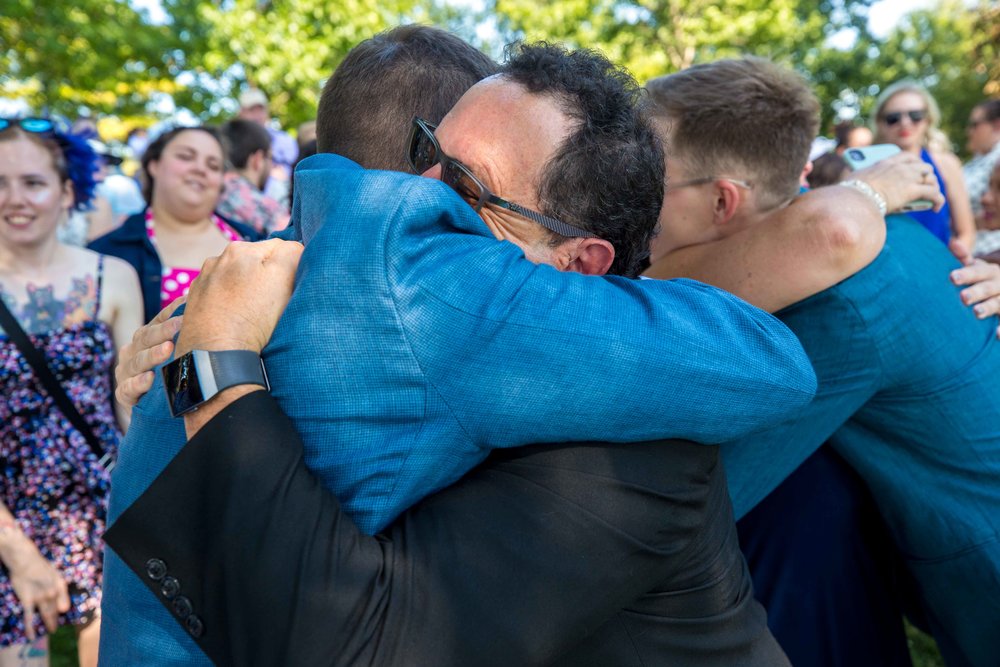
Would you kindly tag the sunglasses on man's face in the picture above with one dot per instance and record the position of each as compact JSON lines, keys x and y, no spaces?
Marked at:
{"x":33,"y":125}
{"x":915,"y":116}
{"x":424,"y":151}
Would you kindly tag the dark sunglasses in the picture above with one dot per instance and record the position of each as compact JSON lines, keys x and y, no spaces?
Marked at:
{"x":916,"y":116}
{"x":33,"y":125}
{"x":423,"y":152}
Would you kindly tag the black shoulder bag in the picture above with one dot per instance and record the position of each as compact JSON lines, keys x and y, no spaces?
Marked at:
{"x":36,"y":360}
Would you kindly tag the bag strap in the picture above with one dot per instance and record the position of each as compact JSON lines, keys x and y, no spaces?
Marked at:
{"x":52,"y":386}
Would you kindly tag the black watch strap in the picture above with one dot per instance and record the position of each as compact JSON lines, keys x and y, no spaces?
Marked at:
{"x":233,"y":367}
{"x":197,"y":376}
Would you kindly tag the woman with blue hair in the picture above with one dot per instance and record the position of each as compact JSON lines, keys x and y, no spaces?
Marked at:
{"x":63,"y":310}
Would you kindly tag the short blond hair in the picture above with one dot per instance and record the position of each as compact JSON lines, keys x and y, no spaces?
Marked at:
{"x":746,"y":118}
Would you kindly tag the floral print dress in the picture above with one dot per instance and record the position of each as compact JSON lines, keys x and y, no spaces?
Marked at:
{"x":50,"y":479}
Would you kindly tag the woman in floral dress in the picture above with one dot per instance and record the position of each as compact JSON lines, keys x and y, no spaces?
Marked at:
{"x":76,"y":306}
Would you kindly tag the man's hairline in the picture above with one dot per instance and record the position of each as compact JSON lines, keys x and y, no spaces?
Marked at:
{"x":662,"y":123}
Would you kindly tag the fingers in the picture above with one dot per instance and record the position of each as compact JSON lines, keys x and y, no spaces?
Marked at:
{"x":961,"y":252}
{"x":133,"y":374}
{"x":271,"y":250}
{"x":901,"y":179}
{"x":62,"y":597}
{"x":154,"y":334}
{"x":50,"y":615}
{"x":976,"y":271}
{"x":986,"y":307}
{"x":168,"y":312}
{"x":151,"y":346}
{"x":983,"y":293}
{"x":937,"y":198}
{"x":29,"y":620}
{"x":129,"y":392}
{"x":53,"y":602}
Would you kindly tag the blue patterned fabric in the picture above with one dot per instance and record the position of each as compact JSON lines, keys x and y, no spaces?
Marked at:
{"x":909,"y":395}
{"x":415,"y":342}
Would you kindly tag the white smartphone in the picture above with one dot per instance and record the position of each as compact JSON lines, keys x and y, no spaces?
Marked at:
{"x":860,"y":158}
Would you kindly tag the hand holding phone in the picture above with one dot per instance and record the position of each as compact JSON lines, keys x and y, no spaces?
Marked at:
{"x":866,"y":158}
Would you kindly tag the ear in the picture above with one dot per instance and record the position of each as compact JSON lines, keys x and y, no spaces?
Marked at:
{"x":68,"y":194}
{"x":256,"y":161}
{"x":803,"y":177}
{"x":152,"y":168}
{"x":591,"y":257}
{"x":728,"y":198}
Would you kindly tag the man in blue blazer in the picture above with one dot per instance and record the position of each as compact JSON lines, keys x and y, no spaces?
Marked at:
{"x":451,"y":344}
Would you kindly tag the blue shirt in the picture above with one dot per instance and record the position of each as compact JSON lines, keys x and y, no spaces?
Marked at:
{"x":909,"y":395}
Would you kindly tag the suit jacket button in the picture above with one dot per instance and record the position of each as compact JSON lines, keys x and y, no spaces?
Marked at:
{"x":182,"y":606}
{"x":194,"y":626}
{"x":170,"y":587}
{"x":156,"y":569}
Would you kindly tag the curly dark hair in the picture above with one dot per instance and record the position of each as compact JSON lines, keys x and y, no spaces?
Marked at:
{"x":607,"y":177}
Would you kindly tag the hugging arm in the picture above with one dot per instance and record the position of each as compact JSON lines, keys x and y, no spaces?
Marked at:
{"x":514,"y":564}
{"x":813,"y":243}
{"x":821,"y":238}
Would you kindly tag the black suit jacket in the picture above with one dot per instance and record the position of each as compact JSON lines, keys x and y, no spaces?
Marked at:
{"x":583,"y":554}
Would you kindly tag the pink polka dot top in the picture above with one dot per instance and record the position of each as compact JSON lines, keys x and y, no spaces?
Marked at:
{"x":177,"y":280}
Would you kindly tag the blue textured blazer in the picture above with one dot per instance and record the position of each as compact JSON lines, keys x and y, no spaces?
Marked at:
{"x":909,"y":395}
{"x":415,"y":342}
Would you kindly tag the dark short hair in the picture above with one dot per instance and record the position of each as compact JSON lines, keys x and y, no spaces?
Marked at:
{"x":828,"y":169}
{"x":243,"y":138}
{"x":842,"y":131}
{"x":991,"y":109}
{"x":607,"y":176}
{"x":367,"y":105}
{"x":747,"y":118}
{"x":155,"y":150}
{"x":307,"y":149}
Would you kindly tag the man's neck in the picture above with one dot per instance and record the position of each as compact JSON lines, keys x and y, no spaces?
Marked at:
{"x":748,"y":215}
{"x":250,"y":177}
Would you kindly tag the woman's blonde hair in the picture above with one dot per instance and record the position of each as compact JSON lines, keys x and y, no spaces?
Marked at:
{"x":934,"y":139}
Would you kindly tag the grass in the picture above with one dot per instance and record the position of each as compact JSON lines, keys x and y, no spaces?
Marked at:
{"x":923,"y":650}
{"x":62,"y":645}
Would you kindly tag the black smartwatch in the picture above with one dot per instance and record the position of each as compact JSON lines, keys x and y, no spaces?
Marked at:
{"x":199,"y":375}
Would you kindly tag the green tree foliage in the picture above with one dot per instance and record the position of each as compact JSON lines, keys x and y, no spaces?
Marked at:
{"x":106,"y":55}
{"x":946,"y":48}
{"x":655,"y":37}
{"x":287,"y":48}
{"x":101,"y":54}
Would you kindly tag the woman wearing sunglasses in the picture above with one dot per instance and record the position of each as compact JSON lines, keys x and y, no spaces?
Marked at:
{"x":907,"y":115}
{"x":67,"y":309}
{"x":167,"y":243}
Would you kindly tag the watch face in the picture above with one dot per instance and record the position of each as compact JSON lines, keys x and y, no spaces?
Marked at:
{"x":184,"y":391}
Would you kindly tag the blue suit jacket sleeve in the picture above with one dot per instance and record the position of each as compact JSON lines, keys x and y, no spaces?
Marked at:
{"x":848,"y":367}
{"x":553,"y":355}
